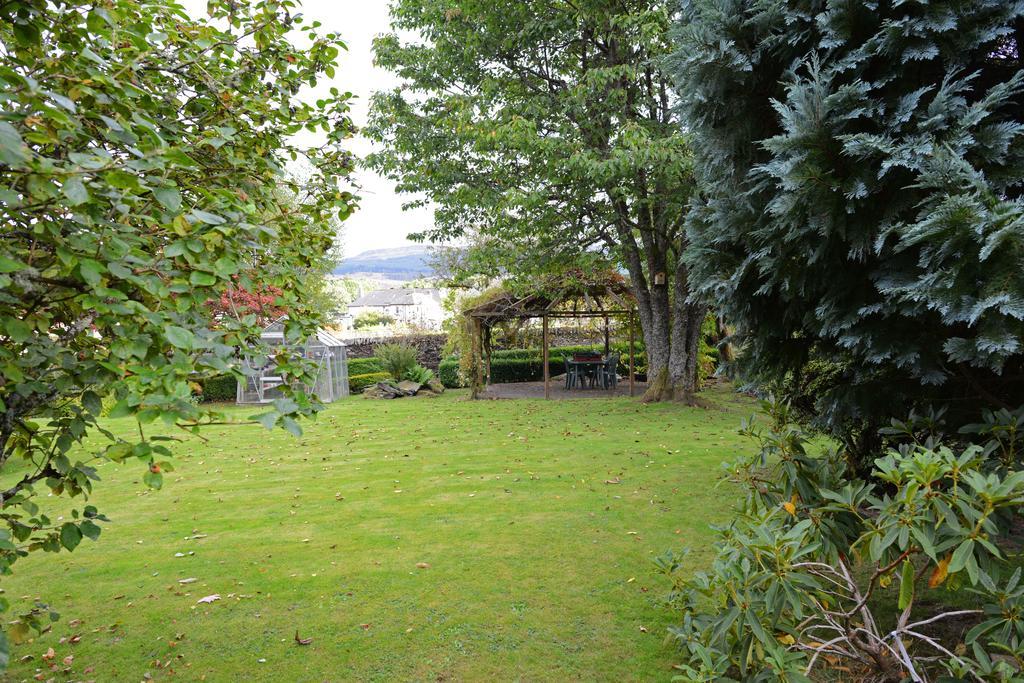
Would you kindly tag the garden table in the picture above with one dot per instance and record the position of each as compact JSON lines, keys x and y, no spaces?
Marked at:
{"x":586,"y":368}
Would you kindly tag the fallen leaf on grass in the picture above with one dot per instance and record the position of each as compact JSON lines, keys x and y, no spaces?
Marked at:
{"x":208,"y":598}
{"x":365,"y":626}
{"x":422,"y":565}
{"x":616,"y":480}
{"x":643,"y":629}
{"x":191,"y":579}
{"x":50,"y":654}
{"x":302,"y":641}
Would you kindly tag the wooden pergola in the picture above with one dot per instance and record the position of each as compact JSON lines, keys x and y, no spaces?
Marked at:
{"x":573,"y":295}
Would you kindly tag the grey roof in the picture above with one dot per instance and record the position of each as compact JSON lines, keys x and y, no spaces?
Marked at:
{"x":394,"y":297}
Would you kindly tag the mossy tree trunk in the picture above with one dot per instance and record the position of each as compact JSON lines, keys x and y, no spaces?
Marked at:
{"x":671,"y":324}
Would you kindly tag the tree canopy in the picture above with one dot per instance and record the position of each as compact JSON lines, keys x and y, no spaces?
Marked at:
{"x":142,"y":174}
{"x":860,"y":210}
{"x":545,"y":132}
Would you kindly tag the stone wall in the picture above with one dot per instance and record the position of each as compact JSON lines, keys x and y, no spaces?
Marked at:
{"x":428,"y":346}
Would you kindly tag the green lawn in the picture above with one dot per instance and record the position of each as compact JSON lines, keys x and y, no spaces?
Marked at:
{"x":539,"y":566}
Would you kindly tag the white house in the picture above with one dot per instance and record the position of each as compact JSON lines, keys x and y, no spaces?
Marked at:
{"x":420,"y":306}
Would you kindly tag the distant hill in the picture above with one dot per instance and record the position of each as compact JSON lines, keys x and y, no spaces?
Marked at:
{"x":400,"y":263}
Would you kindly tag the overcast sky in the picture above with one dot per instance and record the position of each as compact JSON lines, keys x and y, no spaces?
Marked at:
{"x":380,"y":221}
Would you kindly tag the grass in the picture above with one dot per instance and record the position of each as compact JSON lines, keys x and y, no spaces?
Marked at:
{"x":538,"y":521}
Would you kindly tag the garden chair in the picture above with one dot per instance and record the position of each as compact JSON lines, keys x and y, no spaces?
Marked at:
{"x":571,"y":376}
{"x":610,"y":372}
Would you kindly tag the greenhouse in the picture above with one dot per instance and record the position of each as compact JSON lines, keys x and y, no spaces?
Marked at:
{"x":263,"y":384}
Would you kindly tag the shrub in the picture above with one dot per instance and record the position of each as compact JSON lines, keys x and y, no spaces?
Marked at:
{"x":117,"y":234}
{"x":219,"y":388}
{"x":363,"y":366}
{"x":419,"y":374}
{"x":371,"y":319}
{"x":396,"y":359}
{"x":448,"y":373}
{"x":357,"y":383}
{"x":507,"y":370}
{"x":807,"y":573}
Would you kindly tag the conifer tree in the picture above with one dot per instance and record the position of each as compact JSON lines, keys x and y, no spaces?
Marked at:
{"x":861,"y":217}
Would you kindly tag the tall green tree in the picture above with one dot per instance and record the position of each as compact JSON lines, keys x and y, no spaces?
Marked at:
{"x":142,"y":157}
{"x":861,"y":175}
{"x":546,"y":132}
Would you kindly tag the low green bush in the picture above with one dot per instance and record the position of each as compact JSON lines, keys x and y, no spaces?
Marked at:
{"x":364,"y":366}
{"x":357,"y":383}
{"x":871,"y":565}
{"x":219,"y":388}
{"x":419,"y":374}
{"x":509,"y":370}
{"x":448,"y":373}
{"x":396,"y":359}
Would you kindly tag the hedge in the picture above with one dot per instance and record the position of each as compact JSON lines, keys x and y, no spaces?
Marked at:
{"x":364,"y":366}
{"x":508,"y":368}
{"x":357,"y":383}
{"x":219,"y":388}
{"x":562,"y":351}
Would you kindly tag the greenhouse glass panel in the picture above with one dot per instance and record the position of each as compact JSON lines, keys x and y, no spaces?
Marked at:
{"x":328,"y":353}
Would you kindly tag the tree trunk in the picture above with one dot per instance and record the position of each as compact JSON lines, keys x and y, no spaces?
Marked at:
{"x":671,"y":328}
{"x":655,"y":323}
{"x":678,"y":375}
{"x":684,"y":365}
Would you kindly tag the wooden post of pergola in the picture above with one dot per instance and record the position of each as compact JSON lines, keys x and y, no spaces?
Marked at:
{"x":547,"y":370}
{"x":487,"y":344}
{"x":632,"y":350}
{"x":477,"y":358}
{"x":607,"y":344}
